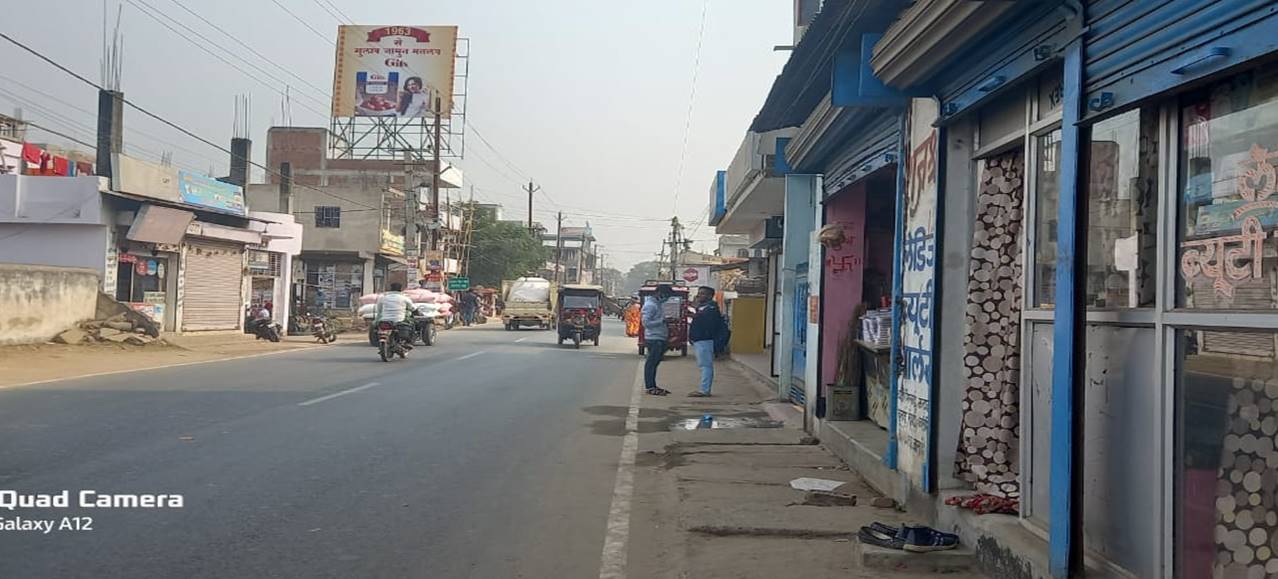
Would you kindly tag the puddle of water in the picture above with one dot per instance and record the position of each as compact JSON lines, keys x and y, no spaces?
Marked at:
{"x":711,"y":422}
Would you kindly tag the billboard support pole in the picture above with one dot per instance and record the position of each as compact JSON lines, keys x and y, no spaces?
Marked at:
{"x":411,"y":239}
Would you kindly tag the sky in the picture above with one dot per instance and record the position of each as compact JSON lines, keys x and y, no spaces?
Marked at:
{"x":590,"y":99}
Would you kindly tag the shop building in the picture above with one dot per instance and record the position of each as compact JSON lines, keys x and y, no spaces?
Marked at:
{"x":1080,"y":295}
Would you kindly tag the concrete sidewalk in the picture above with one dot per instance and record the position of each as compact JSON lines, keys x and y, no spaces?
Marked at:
{"x":717,"y":502}
{"x":35,"y":363}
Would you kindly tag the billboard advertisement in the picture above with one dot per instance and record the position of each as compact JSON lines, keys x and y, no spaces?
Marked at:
{"x":393,"y":71}
{"x":203,"y":191}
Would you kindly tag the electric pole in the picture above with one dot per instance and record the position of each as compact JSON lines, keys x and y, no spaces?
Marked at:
{"x":675,"y":245}
{"x":559,"y":244}
{"x":412,"y":242}
{"x":531,"y":189}
{"x":434,"y":184}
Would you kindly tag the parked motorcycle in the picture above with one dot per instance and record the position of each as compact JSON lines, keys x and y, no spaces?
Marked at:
{"x":322,"y":330}
{"x":394,"y":339}
{"x":267,"y":330}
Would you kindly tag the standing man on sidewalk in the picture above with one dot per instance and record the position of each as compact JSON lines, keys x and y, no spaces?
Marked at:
{"x":707,"y":325}
{"x":655,"y":336}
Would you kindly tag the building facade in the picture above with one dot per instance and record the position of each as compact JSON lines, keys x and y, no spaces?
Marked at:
{"x":1041,"y":227}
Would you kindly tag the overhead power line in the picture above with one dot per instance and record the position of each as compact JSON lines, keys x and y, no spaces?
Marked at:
{"x":165,"y":121}
{"x":304,"y":23}
{"x":286,"y":69}
{"x":692,"y":99}
{"x":271,"y":85}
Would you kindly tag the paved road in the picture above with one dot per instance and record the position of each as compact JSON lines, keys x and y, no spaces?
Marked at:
{"x":500,"y":464}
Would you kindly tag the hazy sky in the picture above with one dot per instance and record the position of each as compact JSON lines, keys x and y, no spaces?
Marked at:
{"x":589,"y":98}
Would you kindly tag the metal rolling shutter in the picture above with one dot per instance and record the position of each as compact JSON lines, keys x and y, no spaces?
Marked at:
{"x":214,"y":279}
{"x":1139,"y":48}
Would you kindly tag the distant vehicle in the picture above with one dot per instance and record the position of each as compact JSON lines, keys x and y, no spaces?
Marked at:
{"x":580,"y":313}
{"x":321,"y":329}
{"x":394,"y":339}
{"x":424,"y":321}
{"x":267,"y":330}
{"x":530,"y":301}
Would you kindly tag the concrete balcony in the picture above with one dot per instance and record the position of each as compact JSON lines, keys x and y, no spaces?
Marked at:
{"x":753,"y":190}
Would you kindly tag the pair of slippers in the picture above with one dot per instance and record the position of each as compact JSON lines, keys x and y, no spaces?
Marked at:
{"x":915,"y":539}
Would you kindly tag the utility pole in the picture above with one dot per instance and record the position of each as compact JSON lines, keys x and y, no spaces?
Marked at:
{"x":531,"y":189}
{"x":434,"y":182}
{"x":559,"y":246}
{"x":412,"y":242}
{"x":675,"y":245}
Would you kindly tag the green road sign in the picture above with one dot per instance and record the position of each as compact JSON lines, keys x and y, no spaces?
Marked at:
{"x":458,"y":284}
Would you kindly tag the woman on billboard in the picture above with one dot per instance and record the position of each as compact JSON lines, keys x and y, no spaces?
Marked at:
{"x":413,"y":101}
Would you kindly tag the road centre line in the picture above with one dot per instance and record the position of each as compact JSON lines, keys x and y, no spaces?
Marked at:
{"x":336,"y":394}
{"x":521,"y":339}
{"x":613,"y":562}
{"x":471,"y":355}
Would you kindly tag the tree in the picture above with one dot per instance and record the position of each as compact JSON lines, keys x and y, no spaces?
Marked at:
{"x":639,"y":273}
{"x":502,"y":250}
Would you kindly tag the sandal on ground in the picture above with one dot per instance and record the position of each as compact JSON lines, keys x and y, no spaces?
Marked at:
{"x":657,"y":391}
{"x":698,"y":394}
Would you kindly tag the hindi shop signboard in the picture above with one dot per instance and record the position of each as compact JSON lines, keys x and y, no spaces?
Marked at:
{"x":918,"y":277}
{"x":394,"y":71}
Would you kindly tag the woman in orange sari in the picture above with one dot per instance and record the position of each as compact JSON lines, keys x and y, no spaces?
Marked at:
{"x":632,"y":319}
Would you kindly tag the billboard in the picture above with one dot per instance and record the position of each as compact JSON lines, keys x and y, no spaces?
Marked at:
{"x":393,"y":71}
{"x":203,"y":191}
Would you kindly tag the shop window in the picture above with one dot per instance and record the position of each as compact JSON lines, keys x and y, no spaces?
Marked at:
{"x":1122,"y":210}
{"x":1047,"y":187}
{"x":328,"y":216}
{"x":1226,"y":460}
{"x":1229,"y":149}
{"x":334,"y":285}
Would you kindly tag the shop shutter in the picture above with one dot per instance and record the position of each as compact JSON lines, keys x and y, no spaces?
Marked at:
{"x":1139,"y":48}
{"x":872,"y":138}
{"x":214,"y":279}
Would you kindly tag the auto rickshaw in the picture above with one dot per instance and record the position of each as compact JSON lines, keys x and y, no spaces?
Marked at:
{"x":677,"y":312}
{"x":580,"y":313}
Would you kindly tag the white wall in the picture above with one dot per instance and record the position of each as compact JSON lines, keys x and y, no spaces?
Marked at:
{"x":38,"y":302}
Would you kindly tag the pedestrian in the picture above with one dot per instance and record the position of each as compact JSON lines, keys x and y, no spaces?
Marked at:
{"x":707,"y":327}
{"x":631,"y":316}
{"x":469,"y":304}
{"x":655,"y":336}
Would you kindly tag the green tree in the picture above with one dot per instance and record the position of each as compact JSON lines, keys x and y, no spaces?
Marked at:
{"x":502,"y":250}
{"x":639,"y":273}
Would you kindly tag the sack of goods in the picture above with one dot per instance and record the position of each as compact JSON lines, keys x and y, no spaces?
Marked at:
{"x":369,"y":298}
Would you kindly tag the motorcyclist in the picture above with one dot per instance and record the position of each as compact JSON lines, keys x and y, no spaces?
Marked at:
{"x":393,"y":306}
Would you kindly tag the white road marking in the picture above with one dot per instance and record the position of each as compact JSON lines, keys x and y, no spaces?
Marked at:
{"x":521,"y":339}
{"x":336,"y":394}
{"x":471,"y":355}
{"x":613,"y":562}
{"x":160,"y":367}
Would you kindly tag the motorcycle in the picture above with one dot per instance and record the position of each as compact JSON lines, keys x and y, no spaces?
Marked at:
{"x":321,"y":329}
{"x":265,"y":329}
{"x":394,"y":339}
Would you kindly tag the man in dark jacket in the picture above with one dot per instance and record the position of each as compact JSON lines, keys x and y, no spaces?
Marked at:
{"x":707,"y":325}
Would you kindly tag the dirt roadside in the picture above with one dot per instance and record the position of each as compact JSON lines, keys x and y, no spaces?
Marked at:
{"x":35,"y":363}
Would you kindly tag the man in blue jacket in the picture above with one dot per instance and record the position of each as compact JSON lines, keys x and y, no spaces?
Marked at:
{"x":707,"y":326}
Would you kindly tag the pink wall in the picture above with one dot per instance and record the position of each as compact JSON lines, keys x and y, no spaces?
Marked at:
{"x":842,"y":277}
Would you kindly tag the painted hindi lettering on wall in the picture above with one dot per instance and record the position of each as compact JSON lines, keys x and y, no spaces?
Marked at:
{"x":918,"y":278}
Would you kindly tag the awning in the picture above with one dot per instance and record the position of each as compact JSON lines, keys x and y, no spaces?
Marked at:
{"x":155,"y":224}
